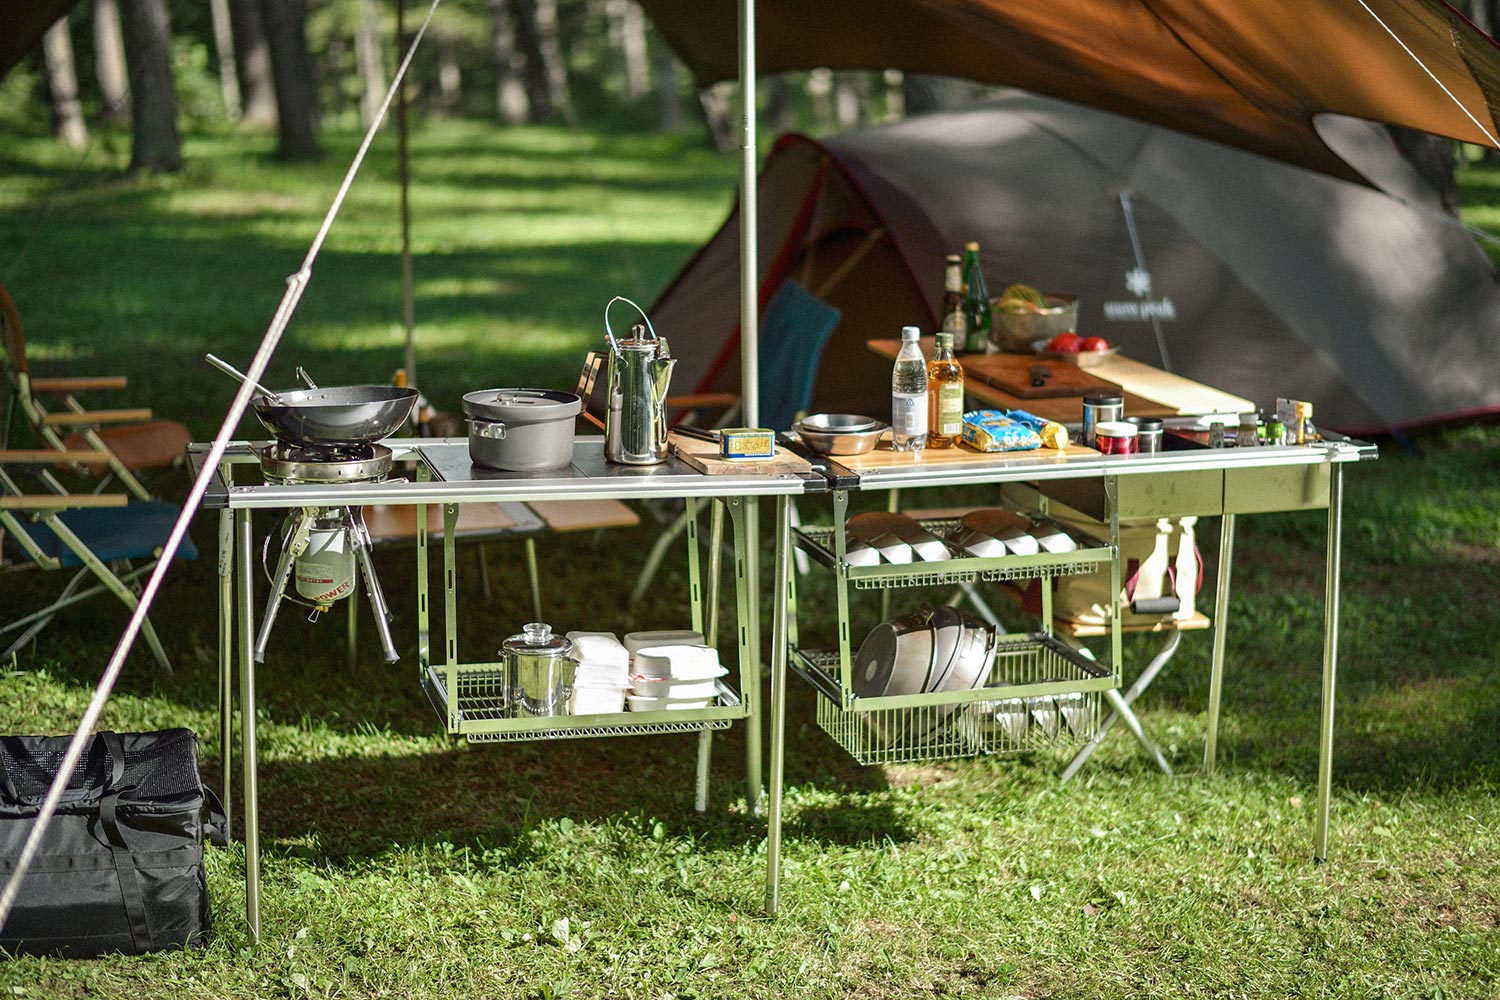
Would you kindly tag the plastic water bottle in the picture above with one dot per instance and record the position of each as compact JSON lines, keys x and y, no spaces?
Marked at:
{"x":909,"y":394}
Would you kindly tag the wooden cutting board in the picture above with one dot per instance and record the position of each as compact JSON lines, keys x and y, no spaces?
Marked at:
{"x":704,"y":457}
{"x":884,"y":458}
{"x":1011,"y":373}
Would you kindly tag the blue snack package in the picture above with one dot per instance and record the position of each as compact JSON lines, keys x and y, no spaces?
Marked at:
{"x":993,"y":430}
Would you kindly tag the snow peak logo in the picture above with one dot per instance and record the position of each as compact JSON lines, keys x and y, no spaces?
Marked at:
{"x":1144,"y":307}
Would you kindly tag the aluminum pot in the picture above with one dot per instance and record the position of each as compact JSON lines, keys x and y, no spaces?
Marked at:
{"x":539,"y":671}
{"x":521,"y":430}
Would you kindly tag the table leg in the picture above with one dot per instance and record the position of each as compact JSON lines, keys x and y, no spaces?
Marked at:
{"x":1221,"y":633}
{"x":247,"y":724}
{"x":751,"y":627}
{"x":226,"y":662}
{"x":1330,"y":658}
{"x":780,"y":642}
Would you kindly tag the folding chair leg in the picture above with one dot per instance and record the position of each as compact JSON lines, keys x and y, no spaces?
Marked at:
{"x":655,"y":556}
{"x":107,"y":577}
{"x":1120,"y":706}
{"x":534,"y":578}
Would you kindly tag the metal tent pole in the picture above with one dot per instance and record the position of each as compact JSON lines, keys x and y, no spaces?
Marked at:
{"x":403,"y":167}
{"x":749,"y":219}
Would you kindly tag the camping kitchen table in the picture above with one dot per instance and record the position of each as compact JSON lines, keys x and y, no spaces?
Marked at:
{"x":1192,"y":480}
{"x":444,"y":476}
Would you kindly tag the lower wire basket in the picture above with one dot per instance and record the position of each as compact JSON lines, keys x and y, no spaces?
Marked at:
{"x":942,"y":730}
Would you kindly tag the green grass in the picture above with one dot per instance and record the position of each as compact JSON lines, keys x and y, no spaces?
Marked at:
{"x":401,"y":864}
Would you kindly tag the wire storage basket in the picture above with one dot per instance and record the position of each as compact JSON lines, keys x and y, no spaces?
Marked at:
{"x":940,"y":727}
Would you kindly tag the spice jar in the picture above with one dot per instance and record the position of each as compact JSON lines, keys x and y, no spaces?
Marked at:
{"x":1099,"y":407}
{"x":1116,"y":437}
{"x":1148,"y":431}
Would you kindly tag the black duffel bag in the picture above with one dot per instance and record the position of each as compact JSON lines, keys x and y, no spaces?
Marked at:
{"x":120,"y":867}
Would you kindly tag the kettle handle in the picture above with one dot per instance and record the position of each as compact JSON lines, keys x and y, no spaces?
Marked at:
{"x":609,"y":334}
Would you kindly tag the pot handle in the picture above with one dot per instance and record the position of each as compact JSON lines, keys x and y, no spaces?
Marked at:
{"x":487,"y":429}
{"x":609,"y":334}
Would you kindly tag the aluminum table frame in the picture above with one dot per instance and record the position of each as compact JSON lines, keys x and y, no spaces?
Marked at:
{"x":1257,"y":473}
{"x":448,"y":479}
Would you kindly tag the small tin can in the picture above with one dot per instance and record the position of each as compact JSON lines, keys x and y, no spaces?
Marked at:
{"x":747,"y":442}
{"x":1099,"y":407}
{"x":1116,"y":437}
{"x":1148,"y":431}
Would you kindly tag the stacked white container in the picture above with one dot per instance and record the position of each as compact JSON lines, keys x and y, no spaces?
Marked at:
{"x":674,"y":676}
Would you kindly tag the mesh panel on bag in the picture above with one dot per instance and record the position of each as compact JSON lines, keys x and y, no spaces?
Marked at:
{"x":162,"y":767}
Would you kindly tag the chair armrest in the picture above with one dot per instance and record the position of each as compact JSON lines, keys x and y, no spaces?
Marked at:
{"x":46,"y":456}
{"x":55,"y":501}
{"x":97,"y":417}
{"x":702,"y":400}
{"x":79,"y":383}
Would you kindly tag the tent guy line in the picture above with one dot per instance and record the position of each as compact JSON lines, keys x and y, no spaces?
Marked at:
{"x":296,"y":284}
{"x":1441,"y":85}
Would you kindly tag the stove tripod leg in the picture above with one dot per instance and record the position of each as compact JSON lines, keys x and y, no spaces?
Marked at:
{"x":360,"y":537}
{"x":301,"y":523}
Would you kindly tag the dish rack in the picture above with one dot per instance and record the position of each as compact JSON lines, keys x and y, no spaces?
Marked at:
{"x":1039,"y":692}
{"x":478,"y":712}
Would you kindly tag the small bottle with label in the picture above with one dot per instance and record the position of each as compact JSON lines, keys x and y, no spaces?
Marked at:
{"x":1275,"y":430}
{"x":945,"y":395}
{"x":909,"y":394}
{"x":1246,"y":436}
{"x":955,"y":321}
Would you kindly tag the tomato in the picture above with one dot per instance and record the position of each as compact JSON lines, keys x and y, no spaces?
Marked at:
{"x":1066,"y":343}
{"x":1094,"y":344}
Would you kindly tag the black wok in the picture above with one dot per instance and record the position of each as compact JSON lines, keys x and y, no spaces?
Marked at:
{"x":339,"y":416}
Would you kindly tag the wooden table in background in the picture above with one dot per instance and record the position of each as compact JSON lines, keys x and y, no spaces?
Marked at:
{"x":1149,"y":391}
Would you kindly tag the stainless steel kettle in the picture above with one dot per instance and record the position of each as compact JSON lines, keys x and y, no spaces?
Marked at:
{"x":640,"y":369}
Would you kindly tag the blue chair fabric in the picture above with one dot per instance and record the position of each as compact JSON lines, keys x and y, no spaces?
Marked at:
{"x":793,"y":331}
{"x":113,"y":533}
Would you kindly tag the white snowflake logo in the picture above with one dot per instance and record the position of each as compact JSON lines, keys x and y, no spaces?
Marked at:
{"x":1138,"y":282}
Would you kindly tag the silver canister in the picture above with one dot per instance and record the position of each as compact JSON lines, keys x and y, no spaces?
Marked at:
{"x":1148,"y":433}
{"x":539,"y":671}
{"x":1099,"y":407}
{"x":640,"y":369}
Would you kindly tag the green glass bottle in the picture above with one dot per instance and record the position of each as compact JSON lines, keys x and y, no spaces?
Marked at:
{"x":976,"y":303}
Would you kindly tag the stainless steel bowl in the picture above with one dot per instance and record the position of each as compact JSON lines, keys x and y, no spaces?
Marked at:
{"x":840,"y":433}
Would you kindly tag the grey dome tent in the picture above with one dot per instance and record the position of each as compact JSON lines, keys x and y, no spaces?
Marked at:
{"x":1249,"y":274}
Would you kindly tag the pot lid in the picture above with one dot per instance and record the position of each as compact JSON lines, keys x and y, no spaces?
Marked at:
{"x":523,"y":405}
{"x":536,"y":638}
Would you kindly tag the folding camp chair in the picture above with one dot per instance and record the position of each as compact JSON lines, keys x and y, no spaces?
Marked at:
{"x":793,"y":331}
{"x":103,"y":535}
{"x":128,"y":438}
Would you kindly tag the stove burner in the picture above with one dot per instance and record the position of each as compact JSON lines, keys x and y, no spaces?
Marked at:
{"x":285,"y":464}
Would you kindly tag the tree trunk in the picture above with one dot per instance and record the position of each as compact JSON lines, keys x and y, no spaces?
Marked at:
{"x":627,"y":30}
{"x":292,"y":73}
{"x":546,"y":72}
{"x":669,"y":117}
{"x":895,"y":95}
{"x":229,"y":80}
{"x":1433,"y":156}
{"x":109,"y":62}
{"x":368,"y":59}
{"x":62,"y":83}
{"x":719,"y":107}
{"x":450,"y":75}
{"x":148,"y":52}
{"x":512,"y":100}
{"x":258,"y":92}
{"x":781,"y":104}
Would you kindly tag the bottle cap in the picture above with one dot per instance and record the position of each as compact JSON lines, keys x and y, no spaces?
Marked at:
{"x":945,"y":340}
{"x":910,"y":333}
{"x":971,"y":245}
{"x":1104,"y":399}
{"x":954,"y":258}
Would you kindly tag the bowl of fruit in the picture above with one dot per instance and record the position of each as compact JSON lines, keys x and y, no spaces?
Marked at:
{"x":1022,"y":314}
{"x":1085,"y":352}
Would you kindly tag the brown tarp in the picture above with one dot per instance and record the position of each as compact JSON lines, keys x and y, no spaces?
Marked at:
{"x":22,"y":24}
{"x":1251,"y":75}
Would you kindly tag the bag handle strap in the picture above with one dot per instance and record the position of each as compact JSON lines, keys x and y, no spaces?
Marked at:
{"x":7,"y":787}
{"x":132,"y":893}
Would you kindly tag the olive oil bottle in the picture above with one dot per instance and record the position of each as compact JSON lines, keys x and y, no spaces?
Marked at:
{"x":945,"y":395}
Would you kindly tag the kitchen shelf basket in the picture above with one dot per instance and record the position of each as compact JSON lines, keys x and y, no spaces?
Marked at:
{"x":480,"y":714}
{"x":1056,"y":704}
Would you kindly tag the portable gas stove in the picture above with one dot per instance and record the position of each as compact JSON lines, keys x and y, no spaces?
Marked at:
{"x":325,"y":547}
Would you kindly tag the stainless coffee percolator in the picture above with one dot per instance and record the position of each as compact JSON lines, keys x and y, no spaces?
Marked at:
{"x":640,"y":368}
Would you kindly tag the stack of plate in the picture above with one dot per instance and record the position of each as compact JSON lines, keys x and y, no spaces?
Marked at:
{"x":679,"y":676}
{"x":927,"y":651}
{"x":603,"y":674}
{"x":876,"y":536}
{"x":996,"y":532}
